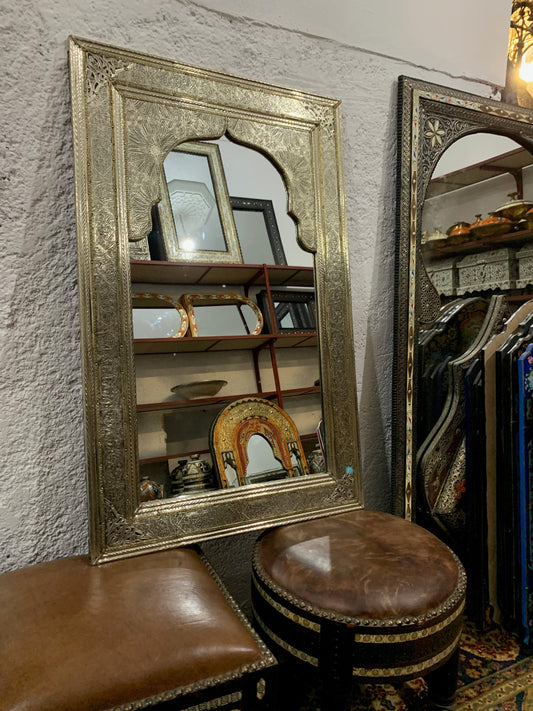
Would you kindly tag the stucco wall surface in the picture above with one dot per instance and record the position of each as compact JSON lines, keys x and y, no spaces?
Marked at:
{"x":43,"y":502}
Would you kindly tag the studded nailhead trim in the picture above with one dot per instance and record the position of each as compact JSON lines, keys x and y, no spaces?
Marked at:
{"x":408,"y":669}
{"x":409,"y":636}
{"x":292,"y":616}
{"x":283,"y":644}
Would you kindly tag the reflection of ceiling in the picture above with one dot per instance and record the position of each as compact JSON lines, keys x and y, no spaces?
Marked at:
{"x":511,"y":162}
{"x":192,"y":203}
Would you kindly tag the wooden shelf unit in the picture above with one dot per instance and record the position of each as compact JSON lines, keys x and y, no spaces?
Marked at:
{"x":243,"y":275}
{"x":196,"y":273}
{"x":480,"y":244}
{"x":184,"y":455}
{"x":511,"y":162}
{"x":203,"y":344}
{"x":207,"y":401}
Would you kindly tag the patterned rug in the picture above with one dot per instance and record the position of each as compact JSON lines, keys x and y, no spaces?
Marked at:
{"x":493,"y":674}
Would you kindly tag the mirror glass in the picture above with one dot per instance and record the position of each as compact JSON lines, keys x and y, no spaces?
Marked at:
{"x":225,"y":320}
{"x":262,"y":464}
{"x":185,"y":431}
{"x":253,"y":236}
{"x":157,"y":316}
{"x":193,"y":203}
{"x":476,"y":202}
{"x":474,"y":224}
{"x":156,"y":323}
{"x":166,"y":158}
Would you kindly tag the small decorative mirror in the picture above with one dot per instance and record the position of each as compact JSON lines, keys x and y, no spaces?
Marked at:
{"x":222,"y":314}
{"x":257,"y":231}
{"x":158,"y":316}
{"x":195,"y":212}
{"x":159,"y":147}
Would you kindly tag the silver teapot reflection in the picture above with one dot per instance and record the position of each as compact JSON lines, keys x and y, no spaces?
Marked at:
{"x":191,"y":476}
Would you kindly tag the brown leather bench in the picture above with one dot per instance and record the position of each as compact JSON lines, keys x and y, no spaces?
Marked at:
{"x":129,"y":634}
{"x":361,"y":596}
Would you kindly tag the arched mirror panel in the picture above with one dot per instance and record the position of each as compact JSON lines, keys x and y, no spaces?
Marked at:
{"x":222,"y":197}
{"x":463,"y":401}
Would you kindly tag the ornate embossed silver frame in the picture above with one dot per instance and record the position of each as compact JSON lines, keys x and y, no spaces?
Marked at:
{"x":430,"y":119}
{"x":129,"y":111}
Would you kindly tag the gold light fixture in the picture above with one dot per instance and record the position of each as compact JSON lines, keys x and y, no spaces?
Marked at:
{"x":520,"y":55}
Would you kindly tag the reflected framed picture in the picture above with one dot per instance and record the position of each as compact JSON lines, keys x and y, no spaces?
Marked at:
{"x":195,"y":216}
{"x":294,"y":311}
{"x":257,"y":231}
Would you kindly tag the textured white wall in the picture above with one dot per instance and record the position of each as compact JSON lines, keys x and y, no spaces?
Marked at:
{"x":429,"y":34}
{"x":42,"y":501}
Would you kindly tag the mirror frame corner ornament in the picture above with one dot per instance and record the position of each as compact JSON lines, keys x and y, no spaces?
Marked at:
{"x":129,"y":110}
{"x":430,"y":118}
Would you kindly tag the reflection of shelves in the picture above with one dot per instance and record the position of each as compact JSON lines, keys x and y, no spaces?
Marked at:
{"x":480,"y":244}
{"x":229,"y":274}
{"x":204,"y":344}
{"x":206,"y":401}
{"x":511,"y":162}
{"x":184,"y":455}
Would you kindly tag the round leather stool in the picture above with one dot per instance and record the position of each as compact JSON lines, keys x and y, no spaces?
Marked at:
{"x":362,"y":596}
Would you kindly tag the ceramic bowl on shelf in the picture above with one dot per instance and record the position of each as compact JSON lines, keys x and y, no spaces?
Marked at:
{"x":198,"y":388}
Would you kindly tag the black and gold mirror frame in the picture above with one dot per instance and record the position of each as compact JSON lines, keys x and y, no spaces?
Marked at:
{"x":430,"y":119}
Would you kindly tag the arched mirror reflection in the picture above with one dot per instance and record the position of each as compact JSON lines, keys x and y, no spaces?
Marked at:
{"x":223,"y":203}
{"x":262,"y":464}
{"x":476,"y":221}
{"x":477,"y":203}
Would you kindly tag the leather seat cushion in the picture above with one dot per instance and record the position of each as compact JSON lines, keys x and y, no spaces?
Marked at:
{"x":76,"y":636}
{"x":362,"y":564}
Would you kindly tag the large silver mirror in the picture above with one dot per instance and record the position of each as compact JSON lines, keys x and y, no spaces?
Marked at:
{"x":459,"y":156}
{"x":149,"y":135}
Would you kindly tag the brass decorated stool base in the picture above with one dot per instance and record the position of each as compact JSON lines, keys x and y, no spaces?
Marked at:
{"x":362,"y":595}
{"x":130,"y":634}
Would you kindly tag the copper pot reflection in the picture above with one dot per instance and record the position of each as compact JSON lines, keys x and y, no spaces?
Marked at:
{"x":458,"y":232}
{"x":492,"y":225}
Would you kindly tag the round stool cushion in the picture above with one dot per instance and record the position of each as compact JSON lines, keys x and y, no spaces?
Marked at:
{"x":397,"y":588}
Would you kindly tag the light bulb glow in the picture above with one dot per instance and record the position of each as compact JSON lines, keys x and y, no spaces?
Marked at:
{"x":188,"y":244}
{"x":526,"y":66}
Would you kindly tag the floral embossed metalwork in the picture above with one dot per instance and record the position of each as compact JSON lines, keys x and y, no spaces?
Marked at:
{"x":100,"y":70}
{"x":129,"y":110}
